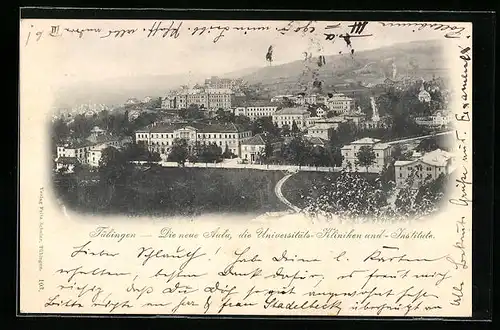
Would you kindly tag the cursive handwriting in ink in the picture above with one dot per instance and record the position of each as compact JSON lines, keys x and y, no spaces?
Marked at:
{"x":229,"y":269}
{"x":298,"y":275}
{"x":460,"y":245}
{"x":81,"y":32}
{"x":94,"y":272}
{"x":229,"y":303}
{"x":139,"y":290}
{"x":217,"y":287}
{"x":458,"y":294}
{"x":181,"y":253}
{"x":463,"y":183}
{"x":179,"y":288}
{"x":284,"y":257}
{"x":170,"y":31}
{"x":178,"y":273}
{"x":108,"y":303}
{"x":57,"y":301}
{"x":83,"y":249}
{"x":377,"y":256}
{"x":184,"y":302}
{"x":119,"y":33}
{"x":465,"y":57}
{"x":454,"y":33}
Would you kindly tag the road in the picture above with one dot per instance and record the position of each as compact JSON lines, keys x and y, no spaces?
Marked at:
{"x":418,"y":138}
{"x":279,"y":193}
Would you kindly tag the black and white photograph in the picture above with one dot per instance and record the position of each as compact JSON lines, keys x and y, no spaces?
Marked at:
{"x":254,"y":118}
{"x":238,"y":166}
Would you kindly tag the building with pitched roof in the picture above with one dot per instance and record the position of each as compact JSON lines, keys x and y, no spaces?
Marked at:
{"x":340,"y":103}
{"x":81,"y":150}
{"x":252,"y":148}
{"x":256,"y":109}
{"x":321,"y":130}
{"x":160,"y":137}
{"x":287,"y":116}
{"x":423,"y":168}
{"x":382,"y":153}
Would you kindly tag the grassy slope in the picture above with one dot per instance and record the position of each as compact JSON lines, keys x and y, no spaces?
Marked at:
{"x":189,"y":191}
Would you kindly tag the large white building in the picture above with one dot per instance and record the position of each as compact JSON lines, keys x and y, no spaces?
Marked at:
{"x":382,"y":154}
{"x":256,"y":110}
{"x":287,"y":116}
{"x":160,"y":137}
{"x":207,"y":98}
{"x":427,"y":167}
{"x":438,"y":119}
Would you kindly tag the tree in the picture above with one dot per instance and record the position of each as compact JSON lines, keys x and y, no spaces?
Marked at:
{"x":60,"y":130}
{"x":112,"y":166}
{"x":226,"y":154}
{"x":179,"y":152}
{"x":365,"y":157}
{"x":285,"y":130}
{"x":427,"y":145}
{"x":330,"y":114}
{"x":242,"y":120}
{"x":430,"y":194}
{"x":347,"y":195}
{"x":295,"y":128}
{"x":297,"y":151}
{"x":268,"y":149}
{"x":154,"y":157}
{"x":192,"y":112}
{"x":210,"y":153}
{"x":335,"y":155}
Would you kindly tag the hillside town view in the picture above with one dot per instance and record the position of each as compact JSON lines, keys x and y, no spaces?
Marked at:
{"x":351,"y":148}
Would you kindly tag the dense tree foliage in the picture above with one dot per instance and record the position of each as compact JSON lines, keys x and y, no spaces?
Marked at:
{"x":179,"y":152}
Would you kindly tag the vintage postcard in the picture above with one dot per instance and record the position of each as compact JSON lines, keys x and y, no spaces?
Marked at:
{"x":292,"y":168}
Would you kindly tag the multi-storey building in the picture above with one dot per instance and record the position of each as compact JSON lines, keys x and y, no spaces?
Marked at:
{"x":219,"y":83}
{"x":382,"y":154}
{"x":287,"y":116}
{"x":206,"y":98}
{"x":422,"y":169}
{"x":440,"y":118}
{"x":160,"y":137}
{"x":281,"y":98}
{"x":219,"y":98}
{"x":253,"y":148}
{"x":81,"y":151}
{"x":321,"y":130}
{"x":256,"y":110}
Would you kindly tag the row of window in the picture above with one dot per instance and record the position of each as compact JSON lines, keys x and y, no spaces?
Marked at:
{"x":167,"y":143}
{"x":182,"y":134}
{"x":427,"y":168}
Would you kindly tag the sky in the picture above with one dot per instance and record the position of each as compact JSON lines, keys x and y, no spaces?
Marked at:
{"x":69,"y":58}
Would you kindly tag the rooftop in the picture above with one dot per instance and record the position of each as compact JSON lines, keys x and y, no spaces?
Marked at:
{"x":200,"y":127}
{"x":381,"y":146}
{"x":315,"y":140}
{"x":366,"y":140}
{"x":254,"y":140}
{"x":257,"y":103}
{"x":437,"y":157}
